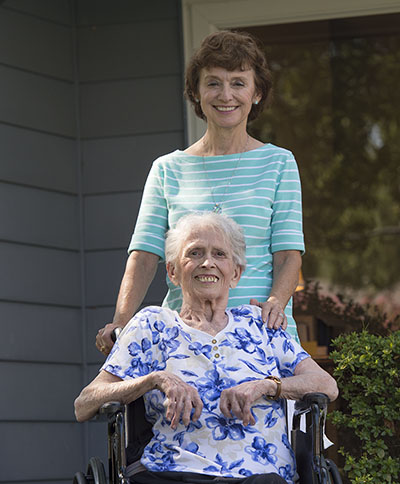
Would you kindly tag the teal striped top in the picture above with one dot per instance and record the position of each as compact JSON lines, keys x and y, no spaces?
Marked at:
{"x":260,"y":189}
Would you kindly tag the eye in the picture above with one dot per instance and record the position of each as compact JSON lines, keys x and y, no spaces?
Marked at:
{"x":194,"y":253}
{"x":239,"y":83}
{"x":220,"y":253}
{"x":212,"y":83}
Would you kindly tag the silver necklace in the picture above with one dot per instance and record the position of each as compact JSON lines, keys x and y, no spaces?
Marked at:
{"x":218,"y":205}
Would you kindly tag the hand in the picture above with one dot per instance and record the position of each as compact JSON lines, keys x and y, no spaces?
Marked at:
{"x":104,"y":343}
{"x":272,"y":312}
{"x":181,"y":398}
{"x":237,"y":401}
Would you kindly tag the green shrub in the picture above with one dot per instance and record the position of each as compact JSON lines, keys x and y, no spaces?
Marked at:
{"x":367,"y":369}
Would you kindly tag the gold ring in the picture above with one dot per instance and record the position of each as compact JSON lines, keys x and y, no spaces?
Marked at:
{"x":102,"y":348}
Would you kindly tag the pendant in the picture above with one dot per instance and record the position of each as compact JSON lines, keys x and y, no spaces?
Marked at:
{"x":217,"y":208}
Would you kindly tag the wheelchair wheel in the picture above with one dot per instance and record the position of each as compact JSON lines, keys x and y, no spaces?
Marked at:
{"x":333,"y":472}
{"x":80,"y":478}
{"x":96,"y":472}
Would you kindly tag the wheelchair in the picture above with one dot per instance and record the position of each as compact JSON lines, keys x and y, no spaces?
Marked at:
{"x":129,"y":432}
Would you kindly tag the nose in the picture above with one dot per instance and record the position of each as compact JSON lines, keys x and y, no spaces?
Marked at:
{"x":208,"y":261}
{"x":225,"y":93}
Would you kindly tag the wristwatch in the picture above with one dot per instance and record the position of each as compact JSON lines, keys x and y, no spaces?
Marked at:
{"x":278,"y":382}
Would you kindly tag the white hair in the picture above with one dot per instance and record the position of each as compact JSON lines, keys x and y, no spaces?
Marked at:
{"x":210,"y":220}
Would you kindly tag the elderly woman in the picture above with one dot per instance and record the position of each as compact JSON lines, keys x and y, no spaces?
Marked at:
{"x":212,"y":378}
{"x":228,"y":83}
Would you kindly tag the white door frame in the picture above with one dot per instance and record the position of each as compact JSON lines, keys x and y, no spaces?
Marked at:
{"x":201,"y":17}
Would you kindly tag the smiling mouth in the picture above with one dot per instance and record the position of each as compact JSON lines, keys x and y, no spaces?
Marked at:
{"x":225,"y":109}
{"x":207,"y":278}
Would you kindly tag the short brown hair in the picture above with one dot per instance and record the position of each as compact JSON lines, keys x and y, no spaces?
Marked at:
{"x":232,"y":51}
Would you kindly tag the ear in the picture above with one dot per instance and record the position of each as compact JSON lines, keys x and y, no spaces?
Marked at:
{"x":238,"y":271}
{"x":172,"y":274}
{"x":257,"y":97}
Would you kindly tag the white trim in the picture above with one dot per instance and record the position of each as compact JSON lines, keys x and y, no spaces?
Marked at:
{"x":201,"y":17}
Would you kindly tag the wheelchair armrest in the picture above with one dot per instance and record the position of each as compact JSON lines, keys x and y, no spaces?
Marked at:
{"x":108,"y":411}
{"x":309,"y":399}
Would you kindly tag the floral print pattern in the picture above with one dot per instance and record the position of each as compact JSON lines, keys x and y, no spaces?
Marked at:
{"x":157,"y":339}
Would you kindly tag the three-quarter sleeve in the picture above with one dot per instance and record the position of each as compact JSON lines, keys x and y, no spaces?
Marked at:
{"x":152,"y":221}
{"x":287,"y":217}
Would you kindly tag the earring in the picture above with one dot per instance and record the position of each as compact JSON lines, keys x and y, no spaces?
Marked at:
{"x":256,"y":102}
{"x":197,"y":100}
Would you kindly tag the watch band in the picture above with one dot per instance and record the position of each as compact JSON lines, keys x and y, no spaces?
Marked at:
{"x":278,"y":382}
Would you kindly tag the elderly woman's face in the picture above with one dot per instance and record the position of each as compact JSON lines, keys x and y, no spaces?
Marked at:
{"x":205,"y":267}
{"x":226,"y":97}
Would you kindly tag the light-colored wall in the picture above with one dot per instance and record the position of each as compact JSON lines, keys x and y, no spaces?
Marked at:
{"x":90,"y":94}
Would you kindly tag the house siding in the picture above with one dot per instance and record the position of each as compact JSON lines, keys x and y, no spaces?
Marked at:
{"x":90,"y":95}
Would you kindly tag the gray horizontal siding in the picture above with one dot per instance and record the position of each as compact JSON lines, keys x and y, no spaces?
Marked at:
{"x":39,"y":391}
{"x":128,"y":107}
{"x":47,"y":47}
{"x":131,"y":112}
{"x":39,"y":275}
{"x":32,"y":101}
{"x":40,"y":451}
{"x":103,"y":274}
{"x":40,"y":333}
{"x":58,"y":11}
{"x":122,"y":164}
{"x":37,"y":159}
{"x":104,"y":271}
{"x":38,"y":217}
{"x":110,"y":220}
{"x":125,"y":51}
{"x":98,"y":12}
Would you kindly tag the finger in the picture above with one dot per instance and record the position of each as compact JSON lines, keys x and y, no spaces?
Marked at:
{"x":276,"y":318}
{"x":285,"y":323}
{"x":266,"y":315}
{"x":198,"y":407}
{"x":236,"y":408}
{"x":171,"y":404}
{"x":224,"y":405}
{"x":187,"y":411}
{"x":255,"y":302}
{"x":106,"y":336}
{"x":179,"y":406}
{"x":280,"y":319}
{"x":246,"y":415}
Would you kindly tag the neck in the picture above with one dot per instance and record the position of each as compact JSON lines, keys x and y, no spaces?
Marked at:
{"x":207,"y":316}
{"x":224,"y":143}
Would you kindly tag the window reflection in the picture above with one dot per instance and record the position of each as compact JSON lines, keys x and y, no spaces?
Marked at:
{"x":336,"y":106}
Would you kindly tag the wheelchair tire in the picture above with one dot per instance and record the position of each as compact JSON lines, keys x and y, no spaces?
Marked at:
{"x":333,"y":472}
{"x":96,"y":472}
{"x":80,"y":478}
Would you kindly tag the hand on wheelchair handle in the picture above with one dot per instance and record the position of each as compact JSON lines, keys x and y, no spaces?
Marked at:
{"x":106,"y":337}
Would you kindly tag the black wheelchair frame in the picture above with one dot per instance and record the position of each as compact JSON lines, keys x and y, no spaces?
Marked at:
{"x":129,"y":433}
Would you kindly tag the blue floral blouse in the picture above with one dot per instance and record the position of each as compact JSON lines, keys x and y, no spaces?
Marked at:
{"x":245,"y":350}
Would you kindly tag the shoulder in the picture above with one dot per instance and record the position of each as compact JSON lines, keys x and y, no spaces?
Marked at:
{"x":171,"y":158}
{"x":245,"y":311}
{"x":148,"y":316}
{"x":272,"y":155}
{"x":277,"y":150}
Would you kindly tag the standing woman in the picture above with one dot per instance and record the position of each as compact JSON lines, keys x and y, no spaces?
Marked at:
{"x":228,"y":83}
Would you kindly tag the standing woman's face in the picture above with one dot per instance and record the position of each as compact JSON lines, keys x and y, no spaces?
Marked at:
{"x":226,"y":97}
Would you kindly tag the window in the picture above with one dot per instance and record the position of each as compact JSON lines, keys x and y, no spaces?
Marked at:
{"x":337,"y":107}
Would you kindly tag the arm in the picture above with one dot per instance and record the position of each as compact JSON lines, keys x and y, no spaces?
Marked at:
{"x":108,"y":388}
{"x":181,"y":398}
{"x":308,"y":377}
{"x":287,"y":264}
{"x":139,"y":272}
